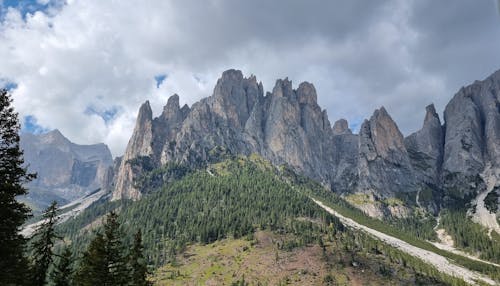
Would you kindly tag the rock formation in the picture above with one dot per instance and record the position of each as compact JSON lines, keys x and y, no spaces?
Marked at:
{"x":66,"y":171}
{"x":287,"y":126}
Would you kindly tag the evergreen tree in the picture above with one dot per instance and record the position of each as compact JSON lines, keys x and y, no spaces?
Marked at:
{"x":94,"y":267}
{"x":104,"y":262}
{"x":63,"y":270}
{"x":138,"y":267}
{"x":116,"y":259}
{"x":44,"y":239}
{"x":13,"y":175}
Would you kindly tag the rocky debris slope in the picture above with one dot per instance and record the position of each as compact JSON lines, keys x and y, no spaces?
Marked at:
{"x":287,"y":126}
{"x":440,"y":262}
{"x":66,"y":171}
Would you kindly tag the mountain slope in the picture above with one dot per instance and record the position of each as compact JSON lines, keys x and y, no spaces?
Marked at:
{"x":438,"y":261}
{"x":65,"y":171}
{"x":235,"y":198}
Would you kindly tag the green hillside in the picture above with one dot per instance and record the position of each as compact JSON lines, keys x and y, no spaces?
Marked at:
{"x":234,"y":199}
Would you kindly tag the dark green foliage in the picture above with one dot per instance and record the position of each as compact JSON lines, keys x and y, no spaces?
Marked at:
{"x":391,"y":262}
{"x":203,"y":208}
{"x":105,"y":263}
{"x":491,"y":201}
{"x":42,"y":245}
{"x":63,"y":269}
{"x":137,"y":263}
{"x":115,"y":251}
{"x":236,"y":197}
{"x":93,"y":268}
{"x":469,"y":235}
{"x":155,"y":179}
{"x":13,"y":214}
{"x":420,"y":227}
{"x":345,"y":209}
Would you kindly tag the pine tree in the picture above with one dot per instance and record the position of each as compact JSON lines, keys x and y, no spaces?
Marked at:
{"x":104,"y":262}
{"x":63,"y":270}
{"x":13,"y":214}
{"x":93,"y":268}
{"x":138,"y":267}
{"x":44,"y":239}
{"x":116,"y":259}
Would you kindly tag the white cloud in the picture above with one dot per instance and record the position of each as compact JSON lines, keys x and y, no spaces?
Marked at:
{"x":105,"y":54}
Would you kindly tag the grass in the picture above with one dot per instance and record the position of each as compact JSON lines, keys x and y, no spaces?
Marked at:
{"x":261,"y":262}
{"x":359,"y":217}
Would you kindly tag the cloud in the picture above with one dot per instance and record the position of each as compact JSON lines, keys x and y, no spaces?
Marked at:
{"x":85,"y":67}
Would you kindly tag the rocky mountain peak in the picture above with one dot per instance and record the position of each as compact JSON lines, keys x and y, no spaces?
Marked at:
{"x":172,"y":108}
{"x":430,"y":114}
{"x":145,"y":114}
{"x":283,"y":88}
{"x":66,"y":170}
{"x":385,"y":133}
{"x":231,"y":75}
{"x":288,"y":126}
{"x":54,"y":137}
{"x":307,"y":94}
{"x":341,"y":126}
{"x":234,"y":97}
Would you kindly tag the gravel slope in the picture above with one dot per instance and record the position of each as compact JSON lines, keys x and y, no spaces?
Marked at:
{"x":438,"y":261}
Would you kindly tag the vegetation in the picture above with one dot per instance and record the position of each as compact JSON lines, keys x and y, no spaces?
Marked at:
{"x":235,"y":198}
{"x":203,"y":208}
{"x":470,"y":236}
{"x":43,"y":242}
{"x":13,"y":214}
{"x":339,"y":259}
{"x":63,"y":269}
{"x":336,"y":203}
{"x":138,"y":267}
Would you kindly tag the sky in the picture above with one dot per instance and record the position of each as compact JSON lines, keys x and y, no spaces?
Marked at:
{"x":85,"y":66}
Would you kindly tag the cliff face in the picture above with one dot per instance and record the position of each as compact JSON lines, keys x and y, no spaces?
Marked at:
{"x":66,"y":171}
{"x":384,"y":166}
{"x":288,"y":126}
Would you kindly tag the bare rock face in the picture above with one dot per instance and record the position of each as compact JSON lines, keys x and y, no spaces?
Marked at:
{"x":138,"y":148}
{"x":66,"y":171}
{"x":341,"y":126}
{"x":287,"y":126}
{"x":472,"y":139}
{"x":426,"y":147}
{"x":384,"y":165}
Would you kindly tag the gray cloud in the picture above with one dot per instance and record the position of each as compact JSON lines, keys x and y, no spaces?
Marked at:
{"x":85,"y":67}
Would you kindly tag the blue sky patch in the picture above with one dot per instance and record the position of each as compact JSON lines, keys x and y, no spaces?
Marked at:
{"x":160,"y":79}
{"x":8,"y":85}
{"x":107,"y":114}
{"x":30,"y":125}
{"x":355,"y":124}
{"x":28,"y":6}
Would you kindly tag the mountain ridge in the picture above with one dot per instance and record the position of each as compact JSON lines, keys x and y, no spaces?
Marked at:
{"x":66,"y":171}
{"x":287,"y":126}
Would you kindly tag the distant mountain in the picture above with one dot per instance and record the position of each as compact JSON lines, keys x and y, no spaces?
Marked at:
{"x":66,"y":171}
{"x":441,"y":164}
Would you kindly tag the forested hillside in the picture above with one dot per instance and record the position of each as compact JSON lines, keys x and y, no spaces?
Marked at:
{"x":235,"y":198}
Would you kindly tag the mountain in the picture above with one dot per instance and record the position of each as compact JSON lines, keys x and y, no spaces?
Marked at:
{"x":442,"y":163}
{"x":242,"y":219}
{"x":65,"y":170}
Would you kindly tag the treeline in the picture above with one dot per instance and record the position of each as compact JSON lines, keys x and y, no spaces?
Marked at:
{"x":340,"y":205}
{"x":470,"y":236}
{"x":203,"y":208}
